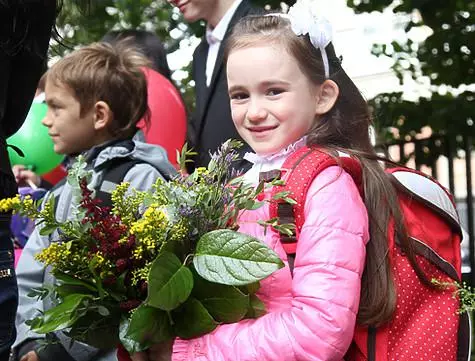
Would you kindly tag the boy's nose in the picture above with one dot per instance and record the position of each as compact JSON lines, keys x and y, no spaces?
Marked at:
{"x":46,"y":121}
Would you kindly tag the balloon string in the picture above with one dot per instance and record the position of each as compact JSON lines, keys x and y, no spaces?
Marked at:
{"x":31,"y":184}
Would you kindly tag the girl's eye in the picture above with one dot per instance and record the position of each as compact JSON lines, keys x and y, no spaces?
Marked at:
{"x":238,"y":96}
{"x":274,"y":91}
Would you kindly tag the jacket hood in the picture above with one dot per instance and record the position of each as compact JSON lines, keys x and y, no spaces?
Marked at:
{"x":133,"y":149}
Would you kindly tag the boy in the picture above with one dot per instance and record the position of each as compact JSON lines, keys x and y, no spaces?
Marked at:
{"x":95,"y":98}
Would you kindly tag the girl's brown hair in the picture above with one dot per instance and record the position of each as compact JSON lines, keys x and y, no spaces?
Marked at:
{"x":113,"y":74}
{"x":345,"y":128}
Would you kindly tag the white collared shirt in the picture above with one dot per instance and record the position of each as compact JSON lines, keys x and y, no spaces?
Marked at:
{"x":265,"y":163}
{"x":215,"y":37}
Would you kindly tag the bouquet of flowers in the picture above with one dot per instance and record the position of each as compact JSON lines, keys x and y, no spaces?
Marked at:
{"x":159,"y":264}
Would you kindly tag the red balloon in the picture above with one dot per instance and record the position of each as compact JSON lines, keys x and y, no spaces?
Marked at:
{"x":168,"y":115}
{"x":55,"y":175}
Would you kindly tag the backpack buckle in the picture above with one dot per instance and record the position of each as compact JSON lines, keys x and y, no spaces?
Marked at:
{"x":270,"y":175}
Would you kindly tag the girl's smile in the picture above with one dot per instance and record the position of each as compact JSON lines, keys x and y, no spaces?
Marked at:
{"x":273,"y":103}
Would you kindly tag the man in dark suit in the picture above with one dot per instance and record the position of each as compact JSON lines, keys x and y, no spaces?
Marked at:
{"x":211,"y":123}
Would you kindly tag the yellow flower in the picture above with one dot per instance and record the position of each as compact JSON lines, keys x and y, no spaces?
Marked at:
{"x":141,"y":274}
{"x":127,"y":202}
{"x":100,"y":258}
{"x":53,"y":254}
{"x":149,"y":231}
{"x":179,"y":231}
{"x":202,"y":170}
{"x":9,"y":204}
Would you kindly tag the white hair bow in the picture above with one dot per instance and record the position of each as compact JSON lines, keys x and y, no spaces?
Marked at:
{"x":304,"y":20}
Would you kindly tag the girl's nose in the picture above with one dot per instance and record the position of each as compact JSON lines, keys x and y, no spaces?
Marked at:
{"x":256,"y":112}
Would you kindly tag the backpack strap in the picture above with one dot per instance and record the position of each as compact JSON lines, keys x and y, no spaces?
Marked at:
{"x":428,"y":191}
{"x":113,"y":174}
{"x":298,"y":172}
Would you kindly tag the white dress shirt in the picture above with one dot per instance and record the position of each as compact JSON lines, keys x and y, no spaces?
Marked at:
{"x":214,"y":37}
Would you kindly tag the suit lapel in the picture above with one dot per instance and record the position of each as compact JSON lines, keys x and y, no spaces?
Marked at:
{"x":242,"y":10}
{"x":199,"y":69}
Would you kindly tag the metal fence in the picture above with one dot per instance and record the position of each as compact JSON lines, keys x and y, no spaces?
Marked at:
{"x":449,"y":160}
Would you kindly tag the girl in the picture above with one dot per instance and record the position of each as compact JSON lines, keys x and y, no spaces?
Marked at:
{"x":288,"y":90}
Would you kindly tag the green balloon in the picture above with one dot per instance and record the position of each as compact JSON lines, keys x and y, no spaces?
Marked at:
{"x":33,"y":139}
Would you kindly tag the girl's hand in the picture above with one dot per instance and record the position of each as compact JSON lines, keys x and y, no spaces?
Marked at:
{"x":158,"y":352}
{"x":25,"y":177}
{"x":30,"y":356}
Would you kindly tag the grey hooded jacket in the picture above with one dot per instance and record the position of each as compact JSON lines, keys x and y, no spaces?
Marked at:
{"x":32,"y":274}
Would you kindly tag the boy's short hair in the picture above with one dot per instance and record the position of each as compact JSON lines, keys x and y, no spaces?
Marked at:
{"x":113,"y":74}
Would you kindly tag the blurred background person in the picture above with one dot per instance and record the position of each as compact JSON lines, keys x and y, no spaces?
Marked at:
{"x":25,"y":31}
{"x":167,"y":110}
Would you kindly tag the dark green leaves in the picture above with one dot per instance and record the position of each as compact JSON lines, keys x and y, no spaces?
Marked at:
{"x":226,"y":304}
{"x":192,"y":319}
{"x":62,"y":316}
{"x":149,"y":326}
{"x":169,"y":282}
{"x":233,"y":258}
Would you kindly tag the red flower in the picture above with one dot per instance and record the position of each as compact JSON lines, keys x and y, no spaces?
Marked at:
{"x":121,"y":264}
{"x":129,"y":305}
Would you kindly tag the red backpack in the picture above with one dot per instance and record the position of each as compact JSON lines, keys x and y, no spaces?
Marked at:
{"x":426,"y":324}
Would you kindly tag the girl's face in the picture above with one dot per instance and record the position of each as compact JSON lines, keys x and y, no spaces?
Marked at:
{"x":273,"y":103}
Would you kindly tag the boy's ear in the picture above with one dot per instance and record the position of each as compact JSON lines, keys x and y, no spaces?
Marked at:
{"x":102,"y":115}
{"x":327,"y":95}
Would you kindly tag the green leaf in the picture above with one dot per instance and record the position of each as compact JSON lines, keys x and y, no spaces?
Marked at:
{"x":130,"y":345}
{"x":149,"y":326}
{"x":97,"y":331}
{"x":281,"y":195}
{"x":233,"y":258}
{"x":62,"y":316}
{"x":71,"y":285}
{"x":47,"y":229}
{"x":289,"y":200}
{"x":70,"y":280}
{"x":252,"y":205}
{"x":256,"y":307}
{"x":251,"y":288}
{"x":192,"y":320}
{"x":103,"y":311}
{"x":169,"y":282}
{"x":41,"y":293}
{"x":224,"y":303}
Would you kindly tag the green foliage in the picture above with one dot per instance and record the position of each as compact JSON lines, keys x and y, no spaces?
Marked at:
{"x":169,"y":282}
{"x":159,"y":264}
{"x":62,"y":316}
{"x":192,"y":319}
{"x":148,"y":326}
{"x":463,"y":292}
{"x":232,"y":258}
{"x":446,"y":57}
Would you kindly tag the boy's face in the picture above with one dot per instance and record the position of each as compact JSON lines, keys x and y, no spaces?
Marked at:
{"x":71,"y":133}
